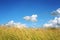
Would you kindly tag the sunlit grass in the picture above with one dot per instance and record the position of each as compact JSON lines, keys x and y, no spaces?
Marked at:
{"x":29,"y":34}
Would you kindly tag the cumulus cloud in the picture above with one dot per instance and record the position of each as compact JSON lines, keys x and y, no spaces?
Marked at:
{"x":15,"y":24}
{"x":56,"y":12}
{"x":56,"y":21}
{"x":47,"y":25}
{"x":53,"y":23}
{"x":32,"y":18}
{"x":27,"y":18}
{"x":10,"y":23}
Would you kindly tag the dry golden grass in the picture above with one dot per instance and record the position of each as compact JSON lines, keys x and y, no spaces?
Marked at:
{"x":29,"y":34}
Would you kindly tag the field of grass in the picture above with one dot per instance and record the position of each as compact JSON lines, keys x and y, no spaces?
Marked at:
{"x":29,"y":34}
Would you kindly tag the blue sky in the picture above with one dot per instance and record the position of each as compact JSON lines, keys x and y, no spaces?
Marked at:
{"x":17,"y":9}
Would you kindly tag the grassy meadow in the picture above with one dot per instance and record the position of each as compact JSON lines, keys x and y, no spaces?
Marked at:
{"x":29,"y":34}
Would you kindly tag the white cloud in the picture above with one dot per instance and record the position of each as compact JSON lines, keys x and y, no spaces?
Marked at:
{"x":53,"y":23}
{"x":56,"y":12}
{"x":47,"y":25}
{"x":56,"y":21}
{"x":32,"y":18}
{"x":15,"y":24}
{"x":19,"y":25}
{"x":10,"y":22}
{"x":27,"y":18}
